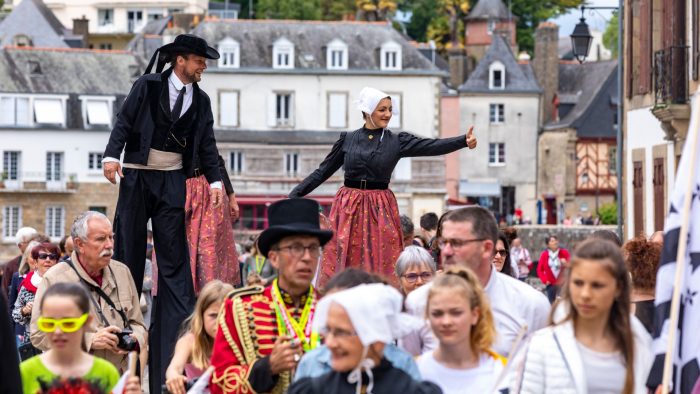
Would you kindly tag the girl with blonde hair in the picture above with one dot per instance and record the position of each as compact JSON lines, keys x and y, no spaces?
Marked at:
{"x":193,"y":349}
{"x":460,"y":316}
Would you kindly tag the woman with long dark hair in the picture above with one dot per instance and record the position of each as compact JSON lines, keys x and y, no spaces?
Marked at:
{"x":593,"y":344}
{"x":501,"y":259}
{"x":365,"y":215}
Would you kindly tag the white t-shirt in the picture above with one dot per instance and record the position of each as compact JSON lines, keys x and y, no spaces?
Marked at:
{"x":605,"y":372}
{"x":514,"y":304}
{"x":481,"y":379}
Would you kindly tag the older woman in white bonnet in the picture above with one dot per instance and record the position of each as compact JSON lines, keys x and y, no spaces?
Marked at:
{"x":365,"y":216}
{"x":357,"y":324}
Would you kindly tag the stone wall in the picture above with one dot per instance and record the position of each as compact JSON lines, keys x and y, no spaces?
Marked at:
{"x":534,"y":237}
{"x":84,"y":197}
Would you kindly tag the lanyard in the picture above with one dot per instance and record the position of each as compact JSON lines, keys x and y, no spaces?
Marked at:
{"x":259,"y":264}
{"x":288,"y":325}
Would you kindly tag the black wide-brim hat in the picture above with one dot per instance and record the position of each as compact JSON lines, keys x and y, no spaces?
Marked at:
{"x":189,"y":43}
{"x":185,"y":44}
{"x":296,"y":216}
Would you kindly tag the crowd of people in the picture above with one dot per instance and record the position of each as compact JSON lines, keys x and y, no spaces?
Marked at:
{"x":356,"y":302}
{"x":462,"y":314}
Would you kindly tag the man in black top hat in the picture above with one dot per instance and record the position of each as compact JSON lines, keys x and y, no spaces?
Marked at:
{"x":165,"y":127}
{"x":263,"y":332}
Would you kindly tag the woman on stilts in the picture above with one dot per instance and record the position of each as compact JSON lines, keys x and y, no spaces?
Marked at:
{"x":365,"y":216}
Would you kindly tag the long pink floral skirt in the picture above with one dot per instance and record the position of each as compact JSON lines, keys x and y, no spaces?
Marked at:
{"x":210,"y":236}
{"x":367,"y":233}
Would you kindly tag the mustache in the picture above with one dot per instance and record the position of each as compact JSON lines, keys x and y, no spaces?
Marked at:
{"x":107,"y":253}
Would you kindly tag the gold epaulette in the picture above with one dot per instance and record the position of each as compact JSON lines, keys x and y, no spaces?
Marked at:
{"x":244,"y":291}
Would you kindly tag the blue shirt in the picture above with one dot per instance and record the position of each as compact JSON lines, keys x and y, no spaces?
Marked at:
{"x":318,"y":362}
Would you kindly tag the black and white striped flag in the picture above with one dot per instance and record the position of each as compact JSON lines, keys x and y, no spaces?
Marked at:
{"x":686,"y":351}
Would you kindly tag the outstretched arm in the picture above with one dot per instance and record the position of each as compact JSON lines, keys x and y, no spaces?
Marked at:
{"x":328,"y":167}
{"x":412,"y":146}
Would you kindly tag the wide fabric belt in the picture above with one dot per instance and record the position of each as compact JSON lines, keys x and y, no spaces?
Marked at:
{"x":159,"y":161}
{"x":366,"y":185}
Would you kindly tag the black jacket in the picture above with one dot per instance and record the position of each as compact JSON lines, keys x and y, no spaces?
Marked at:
{"x":133,"y":130}
{"x":387,"y":380}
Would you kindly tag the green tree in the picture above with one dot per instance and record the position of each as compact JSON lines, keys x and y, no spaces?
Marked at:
{"x":288,"y":9}
{"x":332,"y":10}
{"x":608,"y":213}
{"x":611,"y":34}
{"x":529,"y":13}
{"x":375,"y":10}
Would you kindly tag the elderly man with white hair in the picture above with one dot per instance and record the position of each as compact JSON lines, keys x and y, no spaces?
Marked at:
{"x":118,"y":325}
{"x":23,"y":236}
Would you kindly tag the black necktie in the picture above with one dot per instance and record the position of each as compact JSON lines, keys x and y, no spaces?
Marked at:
{"x":177,"y":108}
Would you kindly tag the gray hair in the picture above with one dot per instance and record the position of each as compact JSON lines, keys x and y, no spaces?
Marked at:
{"x":24,"y":264}
{"x":79,"y":229}
{"x":24,"y":234}
{"x":413,"y":256}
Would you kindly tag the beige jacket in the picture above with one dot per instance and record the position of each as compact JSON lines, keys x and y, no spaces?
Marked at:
{"x":121,"y":290}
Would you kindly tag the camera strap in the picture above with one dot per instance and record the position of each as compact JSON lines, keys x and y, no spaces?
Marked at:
{"x":102,"y":295}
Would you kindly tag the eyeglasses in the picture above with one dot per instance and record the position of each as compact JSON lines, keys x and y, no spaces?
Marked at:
{"x":69,"y":324}
{"x":298,"y":250}
{"x":413,"y":277}
{"x":501,"y":252}
{"x":48,"y":256}
{"x":456,"y":243}
{"x":337,"y":333}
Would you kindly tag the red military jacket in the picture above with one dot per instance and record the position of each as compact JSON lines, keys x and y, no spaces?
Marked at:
{"x":247,"y":331}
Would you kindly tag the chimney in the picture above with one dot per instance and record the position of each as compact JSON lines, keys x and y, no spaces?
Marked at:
{"x":546,"y":65}
{"x":80,"y":28}
{"x":459,"y":66}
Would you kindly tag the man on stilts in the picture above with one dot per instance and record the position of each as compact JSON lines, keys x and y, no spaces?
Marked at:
{"x":165,"y":127}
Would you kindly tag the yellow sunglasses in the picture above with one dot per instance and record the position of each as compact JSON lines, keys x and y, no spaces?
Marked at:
{"x":69,"y":324}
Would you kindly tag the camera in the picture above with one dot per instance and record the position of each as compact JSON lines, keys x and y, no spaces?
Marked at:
{"x":126,"y":341}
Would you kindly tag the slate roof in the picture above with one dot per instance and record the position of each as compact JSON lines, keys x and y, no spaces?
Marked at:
{"x":310,"y":39}
{"x":490,"y":9}
{"x":35,"y":20}
{"x":590,"y":91}
{"x":71,"y":72}
{"x":520,"y":78}
{"x":149,"y":38}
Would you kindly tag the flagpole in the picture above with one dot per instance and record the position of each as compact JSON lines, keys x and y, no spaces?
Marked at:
{"x":692,"y":138}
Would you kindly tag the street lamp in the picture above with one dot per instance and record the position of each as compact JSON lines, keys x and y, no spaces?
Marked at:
{"x":581,"y":39}
{"x":580,"y":44}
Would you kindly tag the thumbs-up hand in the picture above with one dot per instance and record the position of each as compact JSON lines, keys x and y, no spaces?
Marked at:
{"x":471,"y":140}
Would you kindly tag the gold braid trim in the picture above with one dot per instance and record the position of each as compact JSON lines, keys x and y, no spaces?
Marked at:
{"x":227,"y":334}
{"x":244,"y":333}
{"x":231,"y":381}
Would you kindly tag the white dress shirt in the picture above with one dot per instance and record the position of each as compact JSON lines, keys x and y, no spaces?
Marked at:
{"x":514,"y":304}
{"x":174,"y":87}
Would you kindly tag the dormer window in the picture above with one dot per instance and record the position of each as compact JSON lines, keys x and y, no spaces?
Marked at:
{"x":283,"y":54}
{"x":229,"y":50}
{"x":390,"y":56}
{"x":497,"y":76}
{"x":337,"y":55}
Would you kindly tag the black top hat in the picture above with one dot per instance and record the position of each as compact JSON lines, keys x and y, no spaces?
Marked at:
{"x":189,"y":43}
{"x":296,"y":216}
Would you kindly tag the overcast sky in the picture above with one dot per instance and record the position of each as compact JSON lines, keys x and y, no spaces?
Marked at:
{"x":596,"y":19}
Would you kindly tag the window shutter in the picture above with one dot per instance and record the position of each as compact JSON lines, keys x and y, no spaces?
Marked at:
{"x":272,"y":110}
{"x":228,"y":110}
{"x":7,"y":110}
{"x":645,"y":47}
{"x":337,"y":110}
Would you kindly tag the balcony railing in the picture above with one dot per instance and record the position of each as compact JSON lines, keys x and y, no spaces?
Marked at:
{"x":671,"y":75}
{"x":39,"y":182}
